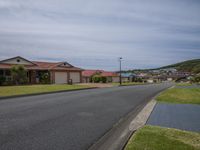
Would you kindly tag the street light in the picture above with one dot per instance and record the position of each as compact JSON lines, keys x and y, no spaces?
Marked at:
{"x":120,"y":70}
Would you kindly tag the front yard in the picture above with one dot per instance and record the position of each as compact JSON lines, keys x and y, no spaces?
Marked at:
{"x":32,"y":89}
{"x":158,"y":138}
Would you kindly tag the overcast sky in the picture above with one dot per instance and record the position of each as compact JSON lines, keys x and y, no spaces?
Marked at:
{"x":94,"y":33}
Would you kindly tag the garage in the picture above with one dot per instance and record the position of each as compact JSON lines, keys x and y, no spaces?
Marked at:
{"x":60,"y":77}
{"x":75,"y":77}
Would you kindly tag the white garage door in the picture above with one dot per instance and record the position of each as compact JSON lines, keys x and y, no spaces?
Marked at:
{"x":60,"y":77}
{"x":75,"y":76}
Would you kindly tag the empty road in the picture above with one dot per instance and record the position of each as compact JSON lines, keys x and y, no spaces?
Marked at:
{"x":70,"y":120}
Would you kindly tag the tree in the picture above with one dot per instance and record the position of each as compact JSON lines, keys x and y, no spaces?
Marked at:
{"x":19,"y":74}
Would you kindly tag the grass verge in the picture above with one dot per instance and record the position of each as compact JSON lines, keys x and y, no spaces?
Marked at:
{"x":183,"y":84}
{"x":32,"y":89}
{"x":180,"y":95}
{"x":157,"y":138}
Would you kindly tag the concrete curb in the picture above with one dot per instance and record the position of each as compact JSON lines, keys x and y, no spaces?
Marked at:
{"x":118,"y":136}
{"x":53,"y":92}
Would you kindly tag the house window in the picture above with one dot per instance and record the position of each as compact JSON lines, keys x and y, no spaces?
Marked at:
{"x":18,"y":60}
{"x":8,"y":73}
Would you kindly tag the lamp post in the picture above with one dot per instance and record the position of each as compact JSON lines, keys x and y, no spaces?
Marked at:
{"x":120,"y":70}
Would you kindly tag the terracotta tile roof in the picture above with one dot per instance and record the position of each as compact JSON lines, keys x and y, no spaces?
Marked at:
{"x":109,"y":74}
{"x":89,"y":73}
{"x":43,"y":66}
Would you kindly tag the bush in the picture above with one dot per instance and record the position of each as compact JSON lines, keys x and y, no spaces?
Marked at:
{"x":104,"y":79}
{"x":96,"y":78}
{"x":45,"y":78}
{"x":2,"y":80}
{"x":19,"y":74}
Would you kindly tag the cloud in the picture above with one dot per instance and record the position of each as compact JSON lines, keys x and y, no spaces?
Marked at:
{"x":93,"y":34}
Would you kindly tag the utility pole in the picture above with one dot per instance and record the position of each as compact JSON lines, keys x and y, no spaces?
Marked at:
{"x":120,"y":70}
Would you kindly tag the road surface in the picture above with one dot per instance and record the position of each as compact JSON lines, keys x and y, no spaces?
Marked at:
{"x":70,"y":120}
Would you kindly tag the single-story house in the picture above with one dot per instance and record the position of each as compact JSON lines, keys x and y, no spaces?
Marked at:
{"x":59,"y":72}
{"x":128,"y":77}
{"x":110,"y":76}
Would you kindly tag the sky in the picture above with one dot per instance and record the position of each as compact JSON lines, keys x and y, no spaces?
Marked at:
{"x":93,"y":34}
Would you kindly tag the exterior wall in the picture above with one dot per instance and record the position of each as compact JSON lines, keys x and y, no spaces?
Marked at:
{"x":85,"y":79}
{"x":115,"y":79}
{"x":150,"y":81}
{"x":52,"y":77}
{"x":125,"y":79}
{"x":75,"y":77}
{"x":14,"y":61}
{"x":32,"y":75}
{"x":109,"y":79}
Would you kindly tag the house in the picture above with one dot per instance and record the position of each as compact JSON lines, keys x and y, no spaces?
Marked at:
{"x":128,"y":77}
{"x":59,"y":72}
{"x":110,"y":76}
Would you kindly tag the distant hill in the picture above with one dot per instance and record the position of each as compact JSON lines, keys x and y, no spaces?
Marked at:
{"x":189,"y":66}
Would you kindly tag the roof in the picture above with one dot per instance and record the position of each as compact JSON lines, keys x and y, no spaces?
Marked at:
{"x":89,"y":73}
{"x":109,"y":74}
{"x":38,"y":65}
{"x":128,"y":74}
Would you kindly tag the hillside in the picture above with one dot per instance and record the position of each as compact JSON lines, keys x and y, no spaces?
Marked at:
{"x":190,"y":66}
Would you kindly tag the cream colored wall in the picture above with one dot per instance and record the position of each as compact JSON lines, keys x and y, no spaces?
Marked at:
{"x":14,"y":61}
{"x":115,"y":79}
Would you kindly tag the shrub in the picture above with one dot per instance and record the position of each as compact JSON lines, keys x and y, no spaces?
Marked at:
{"x":19,"y":74}
{"x":96,"y":78}
{"x":45,"y":78}
{"x":2,"y":80}
{"x":104,"y":79}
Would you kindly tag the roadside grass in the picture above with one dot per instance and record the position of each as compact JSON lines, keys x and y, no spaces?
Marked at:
{"x":158,"y":138}
{"x":180,"y":95}
{"x":32,"y":89}
{"x":128,"y":83}
{"x":183,"y":84}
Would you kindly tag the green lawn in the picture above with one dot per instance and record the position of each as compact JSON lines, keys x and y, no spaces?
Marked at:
{"x":30,"y":89}
{"x":180,"y":95}
{"x":157,"y":138}
{"x":183,"y":84}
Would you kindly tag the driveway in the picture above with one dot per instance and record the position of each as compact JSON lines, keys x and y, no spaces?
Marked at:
{"x":68,"y":121}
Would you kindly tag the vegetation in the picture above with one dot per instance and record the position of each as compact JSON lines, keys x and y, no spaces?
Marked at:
{"x":157,"y":138}
{"x":196,"y":79}
{"x":189,"y":66}
{"x":19,"y":74}
{"x":2,"y":80}
{"x":180,"y":95}
{"x":45,"y":78}
{"x":192,"y":66}
{"x":96,"y":78}
{"x":183,"y":84}
{"x":31,"y":89}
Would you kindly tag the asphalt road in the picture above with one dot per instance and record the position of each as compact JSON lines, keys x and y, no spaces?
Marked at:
{"x":70,"y":120}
